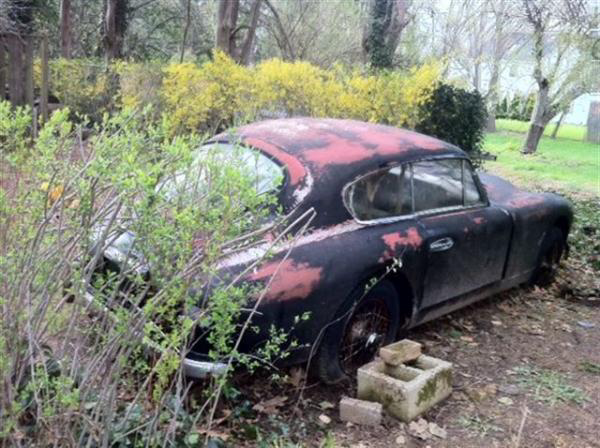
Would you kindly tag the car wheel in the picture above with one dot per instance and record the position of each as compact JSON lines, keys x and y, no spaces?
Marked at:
{"x":553,"y":247}
{"x":364,"y":323}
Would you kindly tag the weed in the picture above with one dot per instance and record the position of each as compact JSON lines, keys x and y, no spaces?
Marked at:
{"x":481,"y":426}
{"x":549,"y":386}
{"x":590,"y":367}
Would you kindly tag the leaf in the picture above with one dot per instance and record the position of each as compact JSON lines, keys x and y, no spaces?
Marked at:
{"x":420,"y":429}
{"x":324,"y":419}
{"x":296,"y":376}
{"x":270,"y":406}
{"x":326,"y":405}
{"x":505,"y":401}
{"x":435,"y":430}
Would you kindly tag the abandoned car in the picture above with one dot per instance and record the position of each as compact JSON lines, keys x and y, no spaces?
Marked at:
{"x":404,"y":231}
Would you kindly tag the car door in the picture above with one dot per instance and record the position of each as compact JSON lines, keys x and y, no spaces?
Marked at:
{"x":466,"y":239}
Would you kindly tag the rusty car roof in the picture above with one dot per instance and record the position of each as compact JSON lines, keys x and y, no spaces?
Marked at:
{"x":323,"y":142}
{"x":322,"y":154}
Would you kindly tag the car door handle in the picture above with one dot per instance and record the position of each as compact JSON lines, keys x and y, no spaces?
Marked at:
{"x":441,"y":245}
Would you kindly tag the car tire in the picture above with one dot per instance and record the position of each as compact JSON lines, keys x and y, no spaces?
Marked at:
{"x":366,"y":320}
{"x":551,"y":252}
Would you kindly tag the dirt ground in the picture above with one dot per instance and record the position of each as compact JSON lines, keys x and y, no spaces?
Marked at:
{"x":526,"y":374}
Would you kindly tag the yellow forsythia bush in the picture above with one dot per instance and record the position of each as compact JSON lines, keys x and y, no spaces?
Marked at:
{"x":220,"y":93}
{"x":140,"y":83}
{"x":207,"y":96}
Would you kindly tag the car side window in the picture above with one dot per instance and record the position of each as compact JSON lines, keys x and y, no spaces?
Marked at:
{"x":437,"y":184}
{"x":383,"y":194}
{"x":472,"y":193}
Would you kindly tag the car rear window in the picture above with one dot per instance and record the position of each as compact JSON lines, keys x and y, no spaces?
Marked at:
{"x":265,"y":173}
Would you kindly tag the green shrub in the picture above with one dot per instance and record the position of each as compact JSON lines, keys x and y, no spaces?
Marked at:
{"x":455,"y":115}
{"x":66,"y":368}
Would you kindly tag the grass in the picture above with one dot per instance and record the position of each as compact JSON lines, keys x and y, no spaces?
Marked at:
{"x":476,"y":424}
{"x":549,"y":386}
{"x":562,"y":163}
{"x":590,"y":367}
{"x":566,"y":131}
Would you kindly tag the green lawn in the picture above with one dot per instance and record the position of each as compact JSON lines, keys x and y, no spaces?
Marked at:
{"x":570,"y":131}
{"x":557,"y":164}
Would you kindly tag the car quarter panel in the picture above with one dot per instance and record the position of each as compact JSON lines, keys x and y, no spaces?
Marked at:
{"x":321,"y":270}
{"x":533,"y":214}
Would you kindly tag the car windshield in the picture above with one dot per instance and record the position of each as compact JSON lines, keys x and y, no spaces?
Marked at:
{"x":265,"y":174}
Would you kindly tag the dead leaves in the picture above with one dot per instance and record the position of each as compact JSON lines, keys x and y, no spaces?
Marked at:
{"x":424,"y":430}
{"x":270,"y":406}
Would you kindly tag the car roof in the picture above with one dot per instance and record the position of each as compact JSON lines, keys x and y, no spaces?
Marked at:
{"x":328,"y":153}
{"x":325,"y":141}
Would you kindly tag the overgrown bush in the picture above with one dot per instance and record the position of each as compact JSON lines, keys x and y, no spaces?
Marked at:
{"x":519,"y":107}
{"x":220,"y":93}
{"x":113,"y":361}
{"x":86,"y":86}
{"x":455,"y":115}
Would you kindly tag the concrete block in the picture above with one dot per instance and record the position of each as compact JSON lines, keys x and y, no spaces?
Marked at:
{"x":406,"y":391}
{"x":400,"y":352}
{"x":360,"y":412}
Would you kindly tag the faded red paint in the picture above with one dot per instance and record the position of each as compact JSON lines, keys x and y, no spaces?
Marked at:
{"x":479,"y":220}
{"x":296,"y":170}
{"x":292,"y":280}
{"x":324,"y":142}
{"x":525,"y":200}
{"x":394,"y":241}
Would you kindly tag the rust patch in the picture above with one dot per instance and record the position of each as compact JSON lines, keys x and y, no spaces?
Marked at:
{"x":394,"y":241}
{"x":292,"y":280}
{"x":410,"y":238}
{"x":331,"y":141}
{"x":525,"y":200}
{"x":479,"y":220}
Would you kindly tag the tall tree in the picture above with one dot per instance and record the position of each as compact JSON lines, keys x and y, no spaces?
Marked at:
{"x":66,"y":41}
{"x":387,"y":20}
{"x":321,"y":32}
{"x":228,"y":38}
{"x":115,"y":27}
{"x":561,"y":59}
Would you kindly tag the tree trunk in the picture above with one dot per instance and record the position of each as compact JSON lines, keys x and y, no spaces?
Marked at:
{"x":387,"y":19}
{"x":115,"y":27}
{"x":227,"y":16}
{"x":3,"y":67}
{"x":557,"y":125}
{"x":538,"y":118}
{"x":249,"y":40}
{"x":16,"y":70}
{"x":491,"y":120}
{"x":593,"y":123}
{"x":186,"y":28}
{"x":65,"y":29}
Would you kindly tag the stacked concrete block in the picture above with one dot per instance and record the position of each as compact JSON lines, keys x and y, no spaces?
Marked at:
{"x":360,"y":412}
{"x":405,"y":391}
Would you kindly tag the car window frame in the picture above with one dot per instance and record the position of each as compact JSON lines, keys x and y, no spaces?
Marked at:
{"x":466,"y":164}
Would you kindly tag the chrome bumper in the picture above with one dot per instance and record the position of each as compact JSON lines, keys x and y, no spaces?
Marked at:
{"x":191,"y":367}
{"x":202,"y":369}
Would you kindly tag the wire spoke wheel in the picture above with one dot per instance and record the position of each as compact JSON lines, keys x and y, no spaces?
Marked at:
{"x":364,"y":333}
